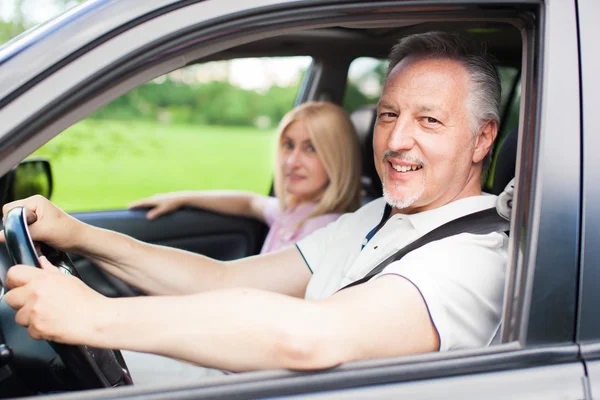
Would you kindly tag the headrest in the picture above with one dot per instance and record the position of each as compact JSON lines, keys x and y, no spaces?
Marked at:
{"x":505,"y":162}
{"x":363,"y":119}
{"x":504,"y":202}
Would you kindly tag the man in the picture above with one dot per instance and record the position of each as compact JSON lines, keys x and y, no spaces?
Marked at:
{"x":436,"y":121}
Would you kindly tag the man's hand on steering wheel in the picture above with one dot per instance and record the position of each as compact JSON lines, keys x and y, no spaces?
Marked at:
{"x":47,"y":222}
{"x":51,"y":305}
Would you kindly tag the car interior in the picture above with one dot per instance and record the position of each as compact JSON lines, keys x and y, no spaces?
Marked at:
{"x":332,"y":50}
{"x":325,"y":79}
{"x":502,"y":41}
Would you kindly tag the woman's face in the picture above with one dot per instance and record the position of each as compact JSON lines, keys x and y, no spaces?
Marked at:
{"x":304,"y":176}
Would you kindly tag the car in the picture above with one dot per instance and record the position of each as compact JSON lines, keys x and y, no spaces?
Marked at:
{"x":61,"y":72}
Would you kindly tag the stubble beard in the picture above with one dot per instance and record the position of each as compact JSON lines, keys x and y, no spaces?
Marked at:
{"x":402,"y":203}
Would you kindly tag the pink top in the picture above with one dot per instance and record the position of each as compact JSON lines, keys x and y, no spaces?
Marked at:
{"x":282,"y":224}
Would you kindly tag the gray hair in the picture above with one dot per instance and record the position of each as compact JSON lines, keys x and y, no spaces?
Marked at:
{"x":483,"y":102}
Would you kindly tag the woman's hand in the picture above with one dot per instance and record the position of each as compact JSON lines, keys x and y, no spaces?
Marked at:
{"x":160,"y":204}
{"x":53,"y":306}
{"x":48,"y":223}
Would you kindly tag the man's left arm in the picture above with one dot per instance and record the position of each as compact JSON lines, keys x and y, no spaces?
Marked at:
{"x":247,"y":329}
{"x":234,"y":329}
{"x":445,"y":295}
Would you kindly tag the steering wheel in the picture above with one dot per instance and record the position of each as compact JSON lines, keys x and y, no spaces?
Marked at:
{"x":48,"y":366}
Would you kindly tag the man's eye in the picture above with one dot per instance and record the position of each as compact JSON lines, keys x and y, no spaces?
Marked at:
{"x":387,"y":116}
{"x":431,"y":120}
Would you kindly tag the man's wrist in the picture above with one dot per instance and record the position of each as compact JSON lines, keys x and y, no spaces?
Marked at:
{"x":102,"y":327}
{"x":84,"y":238}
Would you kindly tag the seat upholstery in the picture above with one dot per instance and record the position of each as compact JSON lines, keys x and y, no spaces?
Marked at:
{"x":505,"y":161}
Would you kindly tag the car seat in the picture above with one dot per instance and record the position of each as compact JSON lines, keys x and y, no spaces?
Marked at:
{"x":505,"y":161}
{"x":363,"y":119}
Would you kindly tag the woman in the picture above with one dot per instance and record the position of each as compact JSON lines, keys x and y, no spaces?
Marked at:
{"x":317,"y":178}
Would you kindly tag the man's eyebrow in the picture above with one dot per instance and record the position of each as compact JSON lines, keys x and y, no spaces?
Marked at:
{"x":429,"y":107}
{"x":385,"y":105}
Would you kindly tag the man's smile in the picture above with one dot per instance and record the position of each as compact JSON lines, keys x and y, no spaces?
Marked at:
{"x":405,"y":168}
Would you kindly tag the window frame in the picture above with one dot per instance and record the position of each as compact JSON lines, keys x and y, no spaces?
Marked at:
{"x":588,"y":331}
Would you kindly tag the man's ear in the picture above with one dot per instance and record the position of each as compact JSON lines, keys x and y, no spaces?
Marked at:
{"x":485,"y":140}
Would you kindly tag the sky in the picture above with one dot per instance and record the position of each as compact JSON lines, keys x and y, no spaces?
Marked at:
{"x":256,"y":74}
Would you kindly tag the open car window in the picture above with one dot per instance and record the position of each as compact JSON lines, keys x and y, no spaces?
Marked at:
{"x":206,"y":126}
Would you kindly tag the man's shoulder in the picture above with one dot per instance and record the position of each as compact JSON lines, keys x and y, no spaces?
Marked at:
{"x":426,"y":221}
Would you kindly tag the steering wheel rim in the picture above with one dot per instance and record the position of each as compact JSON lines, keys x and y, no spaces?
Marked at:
{"x":91,"y":367}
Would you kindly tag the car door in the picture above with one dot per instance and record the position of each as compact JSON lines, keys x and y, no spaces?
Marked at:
{"x":588,"y":333}
{"x":538,"y":356}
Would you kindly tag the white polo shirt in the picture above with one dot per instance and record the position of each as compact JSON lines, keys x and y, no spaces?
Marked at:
{"x":461,"y":278}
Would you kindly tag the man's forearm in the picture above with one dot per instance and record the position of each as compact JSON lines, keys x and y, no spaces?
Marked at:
{"x":235,"y":329}
{"x":154,"y":269}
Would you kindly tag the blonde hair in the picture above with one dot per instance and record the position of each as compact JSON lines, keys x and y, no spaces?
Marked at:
{"x":334,"y":137}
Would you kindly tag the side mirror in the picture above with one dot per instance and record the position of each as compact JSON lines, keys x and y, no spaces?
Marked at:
{"x":28,"y":178}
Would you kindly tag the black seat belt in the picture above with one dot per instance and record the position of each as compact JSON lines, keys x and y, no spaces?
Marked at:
{"x":479,"y":223}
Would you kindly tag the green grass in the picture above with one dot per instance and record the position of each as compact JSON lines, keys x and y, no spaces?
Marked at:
{"x":104,"y":164}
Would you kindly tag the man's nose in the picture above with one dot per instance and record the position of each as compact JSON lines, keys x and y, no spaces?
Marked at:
{"x":402,"y":136}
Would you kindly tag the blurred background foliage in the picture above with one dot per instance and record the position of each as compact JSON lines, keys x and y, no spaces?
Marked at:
{"x":179,"y":131}
{"x":19,"y":15}
{"x":172,"y":101}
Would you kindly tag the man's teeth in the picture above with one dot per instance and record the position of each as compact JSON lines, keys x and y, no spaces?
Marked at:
{"x":404,"y":168}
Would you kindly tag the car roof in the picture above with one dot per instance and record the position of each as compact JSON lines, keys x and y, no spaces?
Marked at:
{"x":501,"y":40}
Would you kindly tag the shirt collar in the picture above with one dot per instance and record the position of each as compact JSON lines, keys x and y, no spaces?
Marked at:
{"x":427,"y":221}
{"x":385,"y":216}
